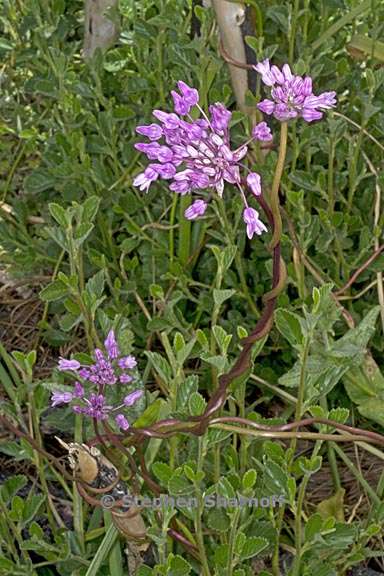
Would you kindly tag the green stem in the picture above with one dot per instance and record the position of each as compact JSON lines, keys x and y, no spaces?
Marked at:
{"x":292,"y":35}
{"x":232,"y":539}
{"x":301,"y":391}
{"x":78,"y":513}
{"x":35,"y":426}
{"x":331,"y":194}
{"x":298,"y":513}
{"x":331,"y":453}
{"x":238,"y":260}
{"x":356,"y":472}
{"x":292,"y":449}
{"x":200,"y":509}
{"x":115,"y":558}
{"x":184,"y":231}
{"x":298,"y":526}
{"x":172,"y":230}
{"x":274,"y":194}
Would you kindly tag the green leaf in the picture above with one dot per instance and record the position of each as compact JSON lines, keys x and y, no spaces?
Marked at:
{"x":202,"y":339}
{"x":221,"y":555}
{"x":333,"y":506}
{"x":17,"y":508}
{"x":249,"y":479}
{"x":222,"y":338}
{"x":161,"y":365}
{"x":31,"y":508}
{"x":225,"y":488}
{"x":313,"y":527}
{"x":218,"y":362}
{"x":178,"y":485}
{"x":184,"y":349}
{"x":95,"y":285}
{"x":220,"y":296}
{"x":310,"y":465}
{"x":54,"y":291}
{"x":185,"y":389}
{"x":275,"y":478}
{"x":197,"y":404}
{"x":162,"y":471}
{"x":289,"y":326}
{"x":60,"y":215}
{"x":218,"y":520}
{"x":145,"y":571}
{"x":339,"y":415}
{"x":239,"y":542}
{"x":150,"y":414}
{"x":366,"y":47}
{"x":253,"y":546}
{"x":156,"y":291}
{"x":90,"y":208}
{"x":12,"y":485}
{"x":178,"y":567}
{"x":178,"y":342}
{"x":82,"y":232}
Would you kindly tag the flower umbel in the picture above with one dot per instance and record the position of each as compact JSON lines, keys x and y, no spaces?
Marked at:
{"x":93,"y":382}
{"x":196,"y":155}
{"x":292,"y":95}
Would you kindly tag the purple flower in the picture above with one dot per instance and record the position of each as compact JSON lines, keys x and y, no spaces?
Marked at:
{"x":122,"y":422}
{"x":145,"y":179}
{"x":79,"y":390}
{"x":196,"y":210}
{"x":91,"y":387}
{"x":197,"y":153}
{"x":127,"y":363}
{"x":171,"y":121}
{"x":126,"y":378}
{"x":153,"y":131}
{"x":71,"y":365}
{"x":262,"y":132}
{"x":165,"y":171}
{"x":220,"y":117}
{"x":96,"y":407}
{"x":190,"y":95}
{"x":111,"y":345}
{"x":151,"y":150}
{"x":181,"y":106}
{"x":61,"y":398}
{"x":254,"y":224}
{"x":133,"y":397}
{"x":254,"y":183}
{"x":266,"y":106}
{"x":292,"y":95}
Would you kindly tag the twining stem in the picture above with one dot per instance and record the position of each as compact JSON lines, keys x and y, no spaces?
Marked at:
{"x":274,"y":194}
{"x":295,"y":435}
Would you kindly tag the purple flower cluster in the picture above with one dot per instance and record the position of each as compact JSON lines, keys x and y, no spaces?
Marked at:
{"x":292,"y":95}
{"x":195,"y":154}
{"x":91,"y":383}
